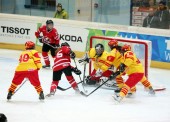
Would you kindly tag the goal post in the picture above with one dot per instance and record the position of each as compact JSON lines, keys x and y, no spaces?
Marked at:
{"x":142,"y":48}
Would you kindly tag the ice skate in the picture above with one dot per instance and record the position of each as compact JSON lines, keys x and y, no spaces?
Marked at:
{"x":151,"y":91}
{"x":52,"y":93}
{"x":9,"y":95}
{"x":77,"y":91}
{"x":117,"y":98}
{"x":41,"y":95}
{"x":46,"y":66}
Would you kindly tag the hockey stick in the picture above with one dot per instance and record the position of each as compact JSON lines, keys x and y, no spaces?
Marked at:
{"x":49,"y":45}
{"x":159,"y":89}
{"x":79,"y":76}
{"x":20,"y":86}
{"x":64,"y":89}
{"x":114,"y":76}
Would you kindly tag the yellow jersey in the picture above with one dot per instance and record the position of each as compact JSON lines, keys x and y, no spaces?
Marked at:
{"x":29,"y":60}
{"x":132,"y":62}
{"x":115,"y":57}
{"x":99,"y":62}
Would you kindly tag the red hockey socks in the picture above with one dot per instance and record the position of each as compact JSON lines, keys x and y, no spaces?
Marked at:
{"x":12,"y":88}
{"x":119,"y":81}
{"x":54,"y":85}
{"x":38,"y":89}
{"x":46,"y":58}
{"x":72,"y":81}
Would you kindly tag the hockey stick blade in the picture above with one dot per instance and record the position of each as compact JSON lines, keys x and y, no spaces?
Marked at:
{"x":159,"y":89}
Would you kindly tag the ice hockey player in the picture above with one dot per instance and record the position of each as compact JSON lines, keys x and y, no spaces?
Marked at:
{"x":134,"y":69}
{"x":50,"y":40}
{"x":100,"y":64}
{"x":29,"y":64}
{"x":62,"y":65}
{"x":115,"y":58}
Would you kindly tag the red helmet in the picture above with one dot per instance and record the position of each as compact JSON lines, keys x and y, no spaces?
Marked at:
{"x":29,"y":45}
{"x":113,"y":43}
{"x":126,"y":47}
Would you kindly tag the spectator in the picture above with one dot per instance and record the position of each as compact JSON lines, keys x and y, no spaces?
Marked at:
{"x":60,"y":13}
{"x":151,"y":21}
{"x":3,"y":118}
{"x":164,"y":15}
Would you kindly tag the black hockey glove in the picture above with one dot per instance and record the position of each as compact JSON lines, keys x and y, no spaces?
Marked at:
{"x":72,"y":55}
{"x":76,"y":71}
{"x":56,"y":46}
{"x":41,"y":38}
{"x":122,"y":67}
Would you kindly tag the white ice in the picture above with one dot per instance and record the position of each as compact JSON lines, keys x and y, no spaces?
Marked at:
{"x":66,"y":106}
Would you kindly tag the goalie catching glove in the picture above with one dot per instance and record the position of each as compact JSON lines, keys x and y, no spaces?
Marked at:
{"x":76,"y":71}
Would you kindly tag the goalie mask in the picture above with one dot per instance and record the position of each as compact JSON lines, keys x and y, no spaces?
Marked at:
{"x":99,"y":48}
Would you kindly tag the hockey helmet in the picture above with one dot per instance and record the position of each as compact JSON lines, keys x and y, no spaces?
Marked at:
{"x":99,"y":49}
{"x":65,"y":44}
{"x":49,"y":22}
{"x":29,"y":45}
{"x":3,"y":118}
{"x":113,"y":43}
{"x":125,"y":48}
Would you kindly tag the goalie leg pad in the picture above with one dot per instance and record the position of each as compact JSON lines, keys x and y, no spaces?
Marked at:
{"x":90,"y":81}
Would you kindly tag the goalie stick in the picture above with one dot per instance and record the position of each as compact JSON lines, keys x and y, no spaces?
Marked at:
{"x":114,"y":76}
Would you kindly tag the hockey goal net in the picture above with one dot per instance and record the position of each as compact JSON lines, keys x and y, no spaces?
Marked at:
{"x":141,"y":48}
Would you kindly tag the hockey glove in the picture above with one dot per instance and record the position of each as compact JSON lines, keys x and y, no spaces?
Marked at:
{"x":41,"y":38}
{"x":112,"y":76}
{"x":122,"y":67}
{"x":76,"y":71}
{"x":56,"y":46}
{"x":72,"y":55}
{"x":84,"y":60}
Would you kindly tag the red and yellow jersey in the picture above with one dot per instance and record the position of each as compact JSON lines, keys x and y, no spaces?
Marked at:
{"x":132,"y":62}
{"x":99,"y":62}
{"x":29,"y":60}
{"x":115,"y":57}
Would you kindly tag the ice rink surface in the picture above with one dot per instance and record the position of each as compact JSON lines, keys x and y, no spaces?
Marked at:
{"x":67,"y":106}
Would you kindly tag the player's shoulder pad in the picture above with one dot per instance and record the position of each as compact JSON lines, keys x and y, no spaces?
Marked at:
{"x":128,"y":54}
{"x":66,"y":49}
{"x":92,"y":53}
{"x":35,"y":53}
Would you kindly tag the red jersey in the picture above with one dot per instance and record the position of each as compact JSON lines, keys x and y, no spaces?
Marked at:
{"x":62,"y":58}
{"x":52,"y":35}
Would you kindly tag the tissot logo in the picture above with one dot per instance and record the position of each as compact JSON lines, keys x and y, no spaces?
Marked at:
{"x":16,"y":30}
{"x":70,"y":38}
